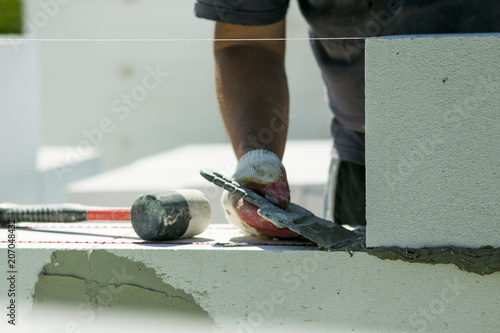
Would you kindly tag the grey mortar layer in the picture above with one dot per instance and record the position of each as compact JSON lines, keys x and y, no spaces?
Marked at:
{"x":483,"y":260}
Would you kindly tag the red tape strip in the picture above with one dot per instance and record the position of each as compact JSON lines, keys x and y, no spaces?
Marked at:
{"x":108,"y":214}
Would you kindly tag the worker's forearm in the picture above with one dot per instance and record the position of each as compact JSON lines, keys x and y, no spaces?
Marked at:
{"x":253,"y":97}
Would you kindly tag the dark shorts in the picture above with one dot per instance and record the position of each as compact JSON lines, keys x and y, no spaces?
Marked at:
{"x":350,"y":195}
{"x":347,"y":194}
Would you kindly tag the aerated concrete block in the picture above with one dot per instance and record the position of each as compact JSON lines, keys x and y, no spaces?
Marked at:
{"x":100,"y":277}
{"x":432,"y":141}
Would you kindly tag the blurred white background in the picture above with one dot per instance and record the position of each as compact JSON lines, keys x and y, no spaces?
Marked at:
{"x":79,"y":81}
{"x":83,"y":86}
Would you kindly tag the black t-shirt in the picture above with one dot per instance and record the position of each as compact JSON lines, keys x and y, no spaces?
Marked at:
{"x":342,"y":61}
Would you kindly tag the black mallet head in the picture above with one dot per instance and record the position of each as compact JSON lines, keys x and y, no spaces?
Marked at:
{"x":170,"y":215}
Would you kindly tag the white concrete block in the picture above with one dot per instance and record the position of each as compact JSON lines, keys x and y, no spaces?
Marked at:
{"x":432,"y":142}
{"x":19,"y":131}
{"x":100,"y":277}
{"x":306,"y":163}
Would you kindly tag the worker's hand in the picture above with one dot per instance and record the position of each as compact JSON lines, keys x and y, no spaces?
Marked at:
{"x":260,"y":171}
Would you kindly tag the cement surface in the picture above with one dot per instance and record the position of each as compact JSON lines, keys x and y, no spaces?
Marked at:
{"x":485,"y":260}
{"x":432,"y":156}
{"x":100,"y":278}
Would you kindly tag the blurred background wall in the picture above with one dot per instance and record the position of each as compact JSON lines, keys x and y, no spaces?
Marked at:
{"x":82,"y":83}
{"x":101,"y":105}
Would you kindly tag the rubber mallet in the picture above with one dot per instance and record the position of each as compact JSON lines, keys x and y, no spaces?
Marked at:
{"x":159,"y":216}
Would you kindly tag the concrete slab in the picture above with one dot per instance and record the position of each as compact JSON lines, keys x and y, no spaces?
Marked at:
{"x":307,"y":163}
{"x":432,"y":143}
{"x":99,"y":277}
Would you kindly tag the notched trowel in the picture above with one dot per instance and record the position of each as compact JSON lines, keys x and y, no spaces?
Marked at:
{"x":325,"y":233}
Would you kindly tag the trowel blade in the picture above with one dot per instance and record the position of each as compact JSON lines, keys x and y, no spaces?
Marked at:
{"x":296,"y":218}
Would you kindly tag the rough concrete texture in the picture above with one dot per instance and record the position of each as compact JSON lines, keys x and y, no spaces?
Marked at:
{"x":229,"y":282}
{"x":92,"y":285}
{"x":432,"y":143}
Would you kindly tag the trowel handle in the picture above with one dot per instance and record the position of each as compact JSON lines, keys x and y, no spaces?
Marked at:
{"x":233,"y":187}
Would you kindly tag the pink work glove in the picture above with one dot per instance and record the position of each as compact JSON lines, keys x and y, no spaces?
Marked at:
{"x":260,"y":171}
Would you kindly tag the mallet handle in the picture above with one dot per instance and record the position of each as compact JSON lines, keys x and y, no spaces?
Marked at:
{"x":108,"y":214}
{"x":61,"y":213}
